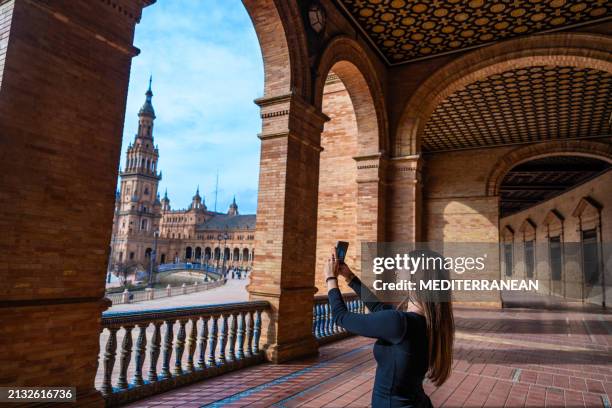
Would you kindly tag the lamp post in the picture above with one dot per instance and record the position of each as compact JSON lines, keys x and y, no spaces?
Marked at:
{"x":153,"y":258}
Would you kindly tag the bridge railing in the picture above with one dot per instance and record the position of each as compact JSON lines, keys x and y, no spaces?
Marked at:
{"x":163,"y":349}
{"x":186,"y":266}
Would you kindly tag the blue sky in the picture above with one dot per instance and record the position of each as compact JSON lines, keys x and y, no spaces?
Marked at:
{"x":207,"y":69}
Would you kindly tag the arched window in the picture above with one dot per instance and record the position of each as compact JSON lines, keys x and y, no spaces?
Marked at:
{"x":245,"y":255}
{"x":148,"y":253}
{"x":207,"y":253}
{"x":226,"y":254}
{"x":188,"y":252}
{"x":143,"y":224}
{"x":236,"y":256}
{"x":131,"y":255}
{"x":163,"y":258}
{"x":146,"y":191}
{"x":217,"y":254}
{"x":198,"y":253}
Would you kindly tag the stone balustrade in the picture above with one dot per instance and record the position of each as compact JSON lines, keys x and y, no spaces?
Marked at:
{"x":166,"y":348}
{"x":149,"y":294}
{"x":323,"y":327}
{"x":152,"y":351}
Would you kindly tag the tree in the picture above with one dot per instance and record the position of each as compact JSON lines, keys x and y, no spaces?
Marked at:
{"x":123,"y":269}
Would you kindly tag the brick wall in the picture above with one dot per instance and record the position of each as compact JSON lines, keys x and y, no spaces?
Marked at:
{"x":336,"y":217}
{"x":62,"y":105}
{"x":456,"y":208}
{"x":599,"y":189}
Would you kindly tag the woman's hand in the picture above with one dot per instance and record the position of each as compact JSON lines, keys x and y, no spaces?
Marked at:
{"x":345,"y":272}
{"x":330,"y":271}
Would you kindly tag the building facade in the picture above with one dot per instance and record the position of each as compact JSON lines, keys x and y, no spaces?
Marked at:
{"x":143,"y":223}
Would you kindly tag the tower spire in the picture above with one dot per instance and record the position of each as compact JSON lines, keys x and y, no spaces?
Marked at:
{"x":233,"y":208}
{"x":147,"y":107}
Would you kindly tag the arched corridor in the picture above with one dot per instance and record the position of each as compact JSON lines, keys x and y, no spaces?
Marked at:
{"x":442,"y":122}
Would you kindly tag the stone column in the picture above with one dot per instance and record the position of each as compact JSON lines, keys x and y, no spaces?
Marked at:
{"x":64,"y":71}
{"x":285,"y":237}
{"x":404,"y":200}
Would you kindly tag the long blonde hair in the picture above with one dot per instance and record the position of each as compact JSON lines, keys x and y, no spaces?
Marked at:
{"x":438,"y":312}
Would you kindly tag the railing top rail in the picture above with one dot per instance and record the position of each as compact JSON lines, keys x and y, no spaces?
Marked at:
{"x":113,"y":319}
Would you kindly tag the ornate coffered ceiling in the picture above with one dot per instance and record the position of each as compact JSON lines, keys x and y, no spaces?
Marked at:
{"x":521,"y":106}
{"x":538,"y":180}
{"x":408,"y":30}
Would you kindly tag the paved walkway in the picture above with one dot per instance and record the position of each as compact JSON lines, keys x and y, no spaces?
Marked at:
{"x":503,"y":358}
{"x":233,"y":291}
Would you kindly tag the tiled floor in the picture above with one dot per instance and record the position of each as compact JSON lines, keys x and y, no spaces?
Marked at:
{"x":503,"y":358}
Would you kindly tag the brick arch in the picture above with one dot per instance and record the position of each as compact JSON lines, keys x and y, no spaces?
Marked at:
{"x":568,"y":49}
{"x":597,"y":150}
{"x":346,"y":58}
{"x":282,"y":40}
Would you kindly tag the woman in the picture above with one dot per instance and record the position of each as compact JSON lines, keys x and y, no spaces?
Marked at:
{"x":415,"y":340}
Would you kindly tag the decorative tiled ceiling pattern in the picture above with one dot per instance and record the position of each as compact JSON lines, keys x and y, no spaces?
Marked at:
{"x":538,"y":180}
{"x":523,"y":105}
{"x":405,"y":30}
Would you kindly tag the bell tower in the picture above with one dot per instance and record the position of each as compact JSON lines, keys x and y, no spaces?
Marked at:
{"x":139,"y":209}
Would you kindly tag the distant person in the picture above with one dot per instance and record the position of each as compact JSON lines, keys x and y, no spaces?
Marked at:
{"x":414,"y":341}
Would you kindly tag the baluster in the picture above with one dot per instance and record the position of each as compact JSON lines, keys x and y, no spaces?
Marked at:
{"x":332,"y":325}
{"x":249,"y":334}
{"x":256,"y":332}
{"x":212,"y":342}
{"x":328,"y":320}
{"x":202,"y":338}
{"x":167,"y":348}
{"x":222,"y":340}
{"x":140,"y":353}
{"x":109,"y":360}
{"x":179,"y":348}
{"x":154,"y":351}
{"x":126,"y":357}
{"x":241,"y":332}
{"x":322,"y":321}
{"x":314,"y":320}
{"x":331,"y":321}
{"x":319,"y":314}
{"x":232,"y":338}
{"x":191,"y":344}
{"x":335,"y":327}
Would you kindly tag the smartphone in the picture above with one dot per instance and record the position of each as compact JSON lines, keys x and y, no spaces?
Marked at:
{"x":341,"y":248}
